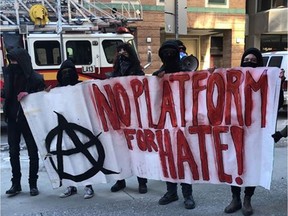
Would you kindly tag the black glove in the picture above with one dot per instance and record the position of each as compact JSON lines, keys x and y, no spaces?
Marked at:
{"x":277,"y":136}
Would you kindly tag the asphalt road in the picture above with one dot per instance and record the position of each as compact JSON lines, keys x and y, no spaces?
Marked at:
{"x":210,"y":199}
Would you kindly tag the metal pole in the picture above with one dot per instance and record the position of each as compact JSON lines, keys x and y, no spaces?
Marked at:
{"x":59,"y":29}
{"x":176,"y":20}
{"x":16,"y":6}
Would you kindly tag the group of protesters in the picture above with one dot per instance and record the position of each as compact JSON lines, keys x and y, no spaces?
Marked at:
{"x":20,"y":80}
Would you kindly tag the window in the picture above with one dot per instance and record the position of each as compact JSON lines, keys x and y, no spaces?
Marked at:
{"x":109,"y":47}
{"x":279,"y":3}
{"x":47,"y":53}
{"x":275,"y":42}
{"x":265,"y":60}
{"x":275,"y":61}
{"x":269,"y":4}
{"x":264,"y":5}
{"x":216,"y":51}
{"x":160,"y":2}
{"x":216,"y":45}
{"x":216,"y":1}
{"x":80,"y":52}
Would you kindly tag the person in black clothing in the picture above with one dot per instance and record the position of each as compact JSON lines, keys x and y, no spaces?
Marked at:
{"x":170,"y":56}
{"x":126,"y":63}
{"x":19,"y":80}
{"x":252,"y":57}
{"x":67,"y":75}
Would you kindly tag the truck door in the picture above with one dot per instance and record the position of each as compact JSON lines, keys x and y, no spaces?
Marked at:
{"x":107,"y":53}
{"x":85,"y":56}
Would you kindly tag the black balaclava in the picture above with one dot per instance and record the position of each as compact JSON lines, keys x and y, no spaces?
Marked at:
{"x":23,"y":59}
{"x":67,"y":74}
{"x":258,"y":56}
{"x":16,"y":69}
{"x":169,"y":54}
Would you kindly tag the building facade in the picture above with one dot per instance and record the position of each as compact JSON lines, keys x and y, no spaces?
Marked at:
{"x":266,"y":24}
{"x":215,"y":31}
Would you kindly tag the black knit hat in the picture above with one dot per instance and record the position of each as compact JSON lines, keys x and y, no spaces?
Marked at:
{"x":181,"y":45}
{"x":256,"y":53}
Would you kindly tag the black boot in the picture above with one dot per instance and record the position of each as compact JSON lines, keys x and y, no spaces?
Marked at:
{"x":119,"y":185}
{"x":142,"y":188}
{"x":33,"y":188}
{"x":234,"y":205}
{"x":247,"y":209}
{"x":14,"y":190}
{"x":189,"y":202}
{"x":142,"y":185}
{"x":168,"y":198}
{"x":34,"y":191}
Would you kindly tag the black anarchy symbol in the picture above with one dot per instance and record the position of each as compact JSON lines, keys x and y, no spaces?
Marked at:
{"x":70,"y":129}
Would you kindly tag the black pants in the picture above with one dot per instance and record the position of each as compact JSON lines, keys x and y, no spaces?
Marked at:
{"x":186,"y":189}
{"x":140,"y":180}
{"x":249,"y":191}
{"x":15,"y":129}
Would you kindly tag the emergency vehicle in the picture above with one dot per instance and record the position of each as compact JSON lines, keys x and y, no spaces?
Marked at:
{"x":52,"y":31}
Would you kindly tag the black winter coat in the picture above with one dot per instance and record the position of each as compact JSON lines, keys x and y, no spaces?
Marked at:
{"x":31,"y":82}
{"x":127,"y":67}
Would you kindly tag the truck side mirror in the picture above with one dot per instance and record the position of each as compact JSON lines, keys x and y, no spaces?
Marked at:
{"x":149,"y":58}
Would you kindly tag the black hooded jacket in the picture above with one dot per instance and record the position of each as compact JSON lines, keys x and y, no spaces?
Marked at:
{"x":19,"y":78}
{"x":126,"y":66}
{"x":67,"y":74}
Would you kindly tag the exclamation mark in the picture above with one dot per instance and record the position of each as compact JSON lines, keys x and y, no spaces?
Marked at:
{"x":237,"y":134}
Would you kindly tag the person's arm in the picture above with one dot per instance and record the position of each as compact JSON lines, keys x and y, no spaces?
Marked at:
{"x":279,"y":134}
{"x":160,"y":73}
{"x":38,"y":84}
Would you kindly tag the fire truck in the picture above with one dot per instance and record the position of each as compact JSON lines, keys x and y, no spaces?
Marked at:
{"x":52,"y":31}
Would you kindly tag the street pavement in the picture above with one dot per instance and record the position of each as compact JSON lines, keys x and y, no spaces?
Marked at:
{"x":210,"y":199}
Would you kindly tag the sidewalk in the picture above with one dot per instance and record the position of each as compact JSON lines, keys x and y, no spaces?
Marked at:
{"x":210,"y":199}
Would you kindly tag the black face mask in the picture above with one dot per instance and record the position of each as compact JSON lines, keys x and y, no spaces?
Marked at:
{"x":16,"y":69}
{"x":66,"y":78}
{"x":124,"y":66}
{"x":124,"y":58}
{"x":249,"y":64}
{"x":66,"y":81}
{"x":169,"y":54}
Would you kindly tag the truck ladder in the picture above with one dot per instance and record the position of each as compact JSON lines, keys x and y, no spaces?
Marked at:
{"x":75,"y":14}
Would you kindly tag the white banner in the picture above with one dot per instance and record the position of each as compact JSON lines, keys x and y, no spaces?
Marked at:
{"x":191,"y":127}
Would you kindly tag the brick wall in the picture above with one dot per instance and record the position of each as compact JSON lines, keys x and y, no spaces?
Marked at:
{"x":231,"y":25}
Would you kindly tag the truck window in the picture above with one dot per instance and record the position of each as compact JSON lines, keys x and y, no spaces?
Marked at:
{"x":109,"y":47}
{"x":275,"y":61}
{"x":80,"y":52}
{"x":47,"y":53}
{"x":265,"y":60}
